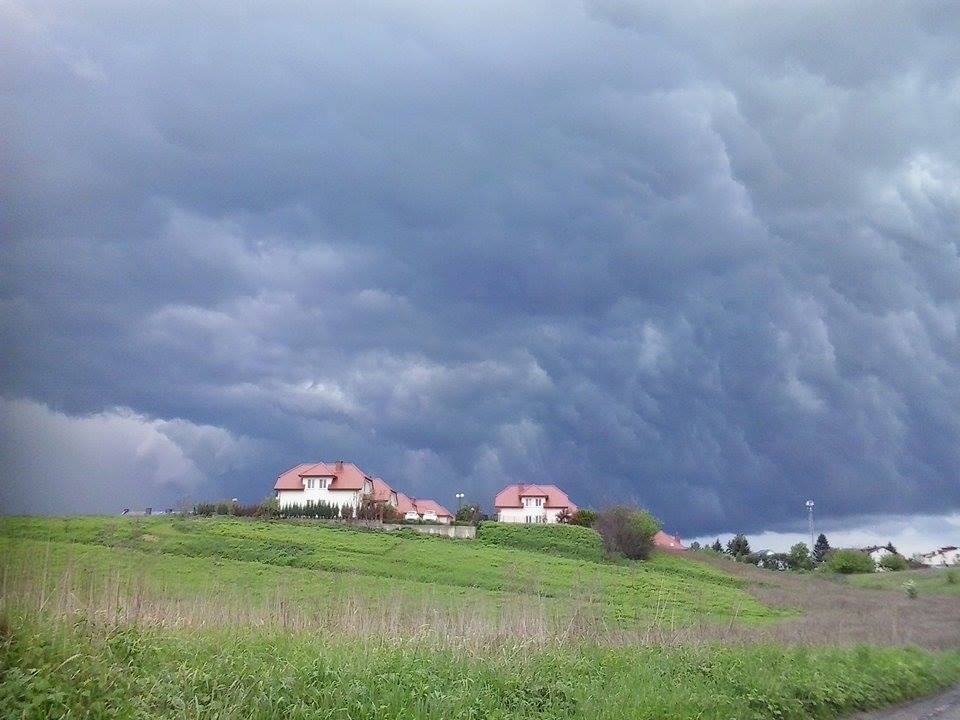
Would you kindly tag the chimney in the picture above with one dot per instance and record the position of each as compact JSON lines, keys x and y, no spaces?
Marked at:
{"x":339,"y":466}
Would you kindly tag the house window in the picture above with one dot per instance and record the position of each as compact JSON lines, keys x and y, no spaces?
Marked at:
{"x":309,"y":503}
{"x":528,"y":518}
{"x":539,"y":502}
{"x":310,"y":482}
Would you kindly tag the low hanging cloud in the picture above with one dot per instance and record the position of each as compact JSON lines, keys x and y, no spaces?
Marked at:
{"x":699,"y":257}
{"x":61,"y":464}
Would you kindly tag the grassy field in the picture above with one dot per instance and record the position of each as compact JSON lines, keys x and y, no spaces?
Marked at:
{"x":929,"y":582}
{"x":225,"y":618}
{"x":371,"y":564}
{"x":133,"y":673}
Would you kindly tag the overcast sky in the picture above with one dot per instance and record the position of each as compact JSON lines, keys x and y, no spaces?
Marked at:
{"x":699,"y":256}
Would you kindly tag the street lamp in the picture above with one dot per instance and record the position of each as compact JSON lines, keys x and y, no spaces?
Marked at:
{"x":810,"y":522}
{"x":460,"y":497}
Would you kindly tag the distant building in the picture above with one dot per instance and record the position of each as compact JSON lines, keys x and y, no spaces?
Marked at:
{"x":414,"y":510}
{"x":664,"y":541}
{"x":338,"y":483}
{"x":343,"y":484}
{"x":532,"y":504}
{"x":943,"y":557}
{"x":877,"y":553}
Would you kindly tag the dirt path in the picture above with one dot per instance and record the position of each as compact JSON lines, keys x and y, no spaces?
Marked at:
{"x":945,"y":706}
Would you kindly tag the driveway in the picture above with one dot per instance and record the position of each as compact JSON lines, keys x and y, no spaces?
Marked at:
{"x":945,"y":706}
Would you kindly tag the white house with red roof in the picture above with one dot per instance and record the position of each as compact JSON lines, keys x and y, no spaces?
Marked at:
{"x":666,"y":541}
{"x":344,"y":484}
{"x":336,"y":483}
{"x":942,"y":557}
{"x":523,"y":503}
{"x":414,"y":510}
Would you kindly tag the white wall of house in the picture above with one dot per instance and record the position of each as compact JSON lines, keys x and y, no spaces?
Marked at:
{"x":879,"y":554}
{"x":317,"y":492}
{"x":529,"y":514}
{"x":942,"y":559}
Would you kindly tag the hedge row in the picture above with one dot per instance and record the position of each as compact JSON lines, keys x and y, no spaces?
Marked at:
{"x":567,"y":540}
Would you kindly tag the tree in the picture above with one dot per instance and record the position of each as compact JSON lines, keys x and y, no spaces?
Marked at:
{"x":893,"y":562}
{"x":799,"y":557}
{"x":891,"y":548}
{"x":717,"y":547}
{"x":585,"y":517}
{"x":563,"y":517}
{"x":849,"y":562}
{"x":627,"y":531}
{"x":738,"y":545}
{"x":471,"y":513}
{"x":694,"y":545}
{"x":821,"y":548}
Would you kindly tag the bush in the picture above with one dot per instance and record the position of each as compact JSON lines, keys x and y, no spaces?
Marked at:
{"x":584,"y":517}
{"x":893,"y":562}
{"x":849,"y":562}
{"x":910,"y":588}
{"x":567,"y":540}
{"x":627,"y":531}
{"x":204,"y":509}
{"x":471,"y":514}
{"x":952,"y":577}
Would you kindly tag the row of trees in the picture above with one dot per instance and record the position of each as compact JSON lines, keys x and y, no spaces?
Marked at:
{"x":798,"y":558}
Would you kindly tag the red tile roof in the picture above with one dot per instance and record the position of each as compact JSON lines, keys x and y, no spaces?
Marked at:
{"x":511,"y":494}
{"x":381,"y":491}
{"x":665,"y":541}
{"x":346,"y":476}
{"x":426,"y":506}
{"x":405,"y":504}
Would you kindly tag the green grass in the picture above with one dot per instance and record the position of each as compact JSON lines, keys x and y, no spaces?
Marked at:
{"x":569,"y":541}
{"x":929,"y":582}
{"x":268,"y":554}
{"x":83,"y":672}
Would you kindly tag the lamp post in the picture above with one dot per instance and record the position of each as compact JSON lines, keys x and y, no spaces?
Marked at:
{"x":460,"y":497}
{"x":810,"y":522}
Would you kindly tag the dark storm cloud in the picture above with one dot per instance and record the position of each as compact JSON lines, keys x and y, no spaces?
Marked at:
{"x":704,"y":258}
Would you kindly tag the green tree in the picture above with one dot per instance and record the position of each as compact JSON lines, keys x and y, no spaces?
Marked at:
{"x":800,"y":557}
{"x":893,"y":562}
{"x":821,"y":548}
{"x":471,"y":513}
{"x":585,"y":517}
{"x":849,"y":561}
{"x":694,"y":546}
{"x":717,"y":547}
{"x":627,"y":531}
{"x":738,"y":545}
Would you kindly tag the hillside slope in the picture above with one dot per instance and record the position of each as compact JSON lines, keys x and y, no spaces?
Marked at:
{"x":267,"y":560}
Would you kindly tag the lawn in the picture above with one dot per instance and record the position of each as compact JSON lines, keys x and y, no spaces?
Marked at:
{"x":261,"y":557}
{"x":935,"y":581}
{"x":129,"y":673}
{"x":227,"y":618}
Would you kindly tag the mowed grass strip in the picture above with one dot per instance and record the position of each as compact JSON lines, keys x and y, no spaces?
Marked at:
{"x":935,"y":581}
{"x":48,"y":672}
{"x":628,"y":593}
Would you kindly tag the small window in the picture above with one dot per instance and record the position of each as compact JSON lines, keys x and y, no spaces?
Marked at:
{"x":309,"y":503}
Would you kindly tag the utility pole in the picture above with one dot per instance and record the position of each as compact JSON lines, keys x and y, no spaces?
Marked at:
{"x":810,"y":522}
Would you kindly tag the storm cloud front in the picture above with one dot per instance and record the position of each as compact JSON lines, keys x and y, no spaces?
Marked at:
{"x":697,"y":256}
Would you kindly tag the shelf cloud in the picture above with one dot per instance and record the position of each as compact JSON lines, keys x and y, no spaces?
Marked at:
{"x":701,"y":257}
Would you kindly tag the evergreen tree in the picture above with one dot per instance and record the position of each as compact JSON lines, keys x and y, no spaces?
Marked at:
{"x":717,"y":547}
{"x":820,"y":548}
{"x":738,"y":545}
